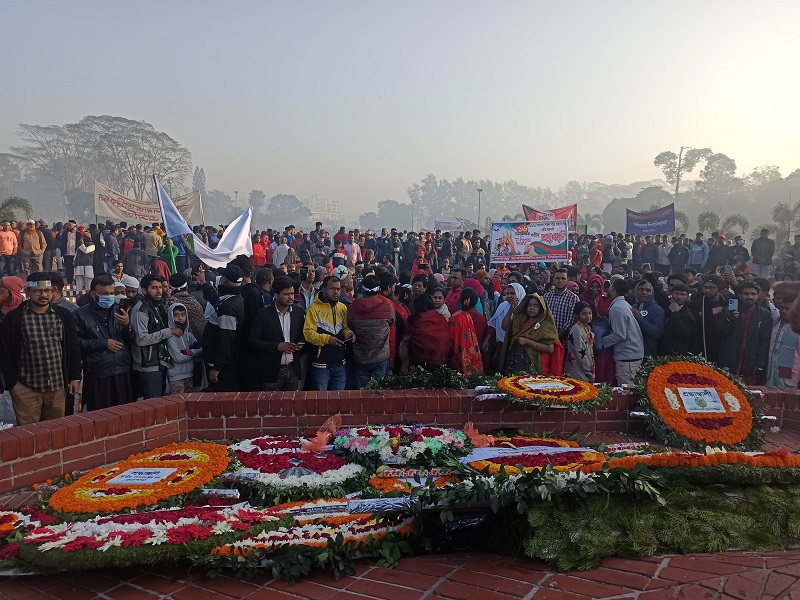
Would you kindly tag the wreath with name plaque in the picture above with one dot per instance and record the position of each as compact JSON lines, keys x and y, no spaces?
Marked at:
{"x":547,"y":390}
{"x":691,"y":403}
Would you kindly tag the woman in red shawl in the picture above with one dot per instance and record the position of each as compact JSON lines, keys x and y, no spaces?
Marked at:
{"x":267,"y":243}
{"x":466,"y":357}
{"x":11,"y":293}
{"x":259,"y":257}
{"x":596,"y":254}
{"x":429,"y":337}
{"x":605,"y":371}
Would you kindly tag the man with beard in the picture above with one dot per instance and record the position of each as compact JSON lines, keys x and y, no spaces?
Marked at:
{"x":277,"y":338}
{"x":149,"y":325}
{"x":746,"y":336}
{"x":707,"y":309}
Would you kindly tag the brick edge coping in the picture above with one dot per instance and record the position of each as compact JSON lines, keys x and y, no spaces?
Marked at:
{"x":33,"y":453}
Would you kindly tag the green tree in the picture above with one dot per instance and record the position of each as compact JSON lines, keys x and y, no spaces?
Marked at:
{"x":786,"y":219}
{"x":718,"y":179}
{"x":257,"y":198}
{"x":674,"y":166}
{"x":10,"y":206}
{"x":708,"y":221}
{"x":593,"y":222}
{"x":199,"y":180}
{"x":286,"y":209}
{"x":370,"y":220}
{"x":735,"y":220}
{"x":681,"y":222}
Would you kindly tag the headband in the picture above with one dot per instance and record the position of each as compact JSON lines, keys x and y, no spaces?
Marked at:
{"x":179,"y":288}
{"x":34,"y":284}
{"x":375,"y":289}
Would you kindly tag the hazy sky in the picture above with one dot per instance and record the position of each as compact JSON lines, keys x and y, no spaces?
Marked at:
{"x":368,"y":97}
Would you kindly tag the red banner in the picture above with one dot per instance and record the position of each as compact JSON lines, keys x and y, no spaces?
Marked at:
{"x":568,"y":213}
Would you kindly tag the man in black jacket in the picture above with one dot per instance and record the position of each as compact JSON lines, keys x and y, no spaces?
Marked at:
{"x":40,"y":356}
{"x":277,"y":337}
{"x":68,"y":242}
{"x":679,"y":327}
{"x":105,"y":339}
{"x":222,"y":338}
{"x":745,"y":335}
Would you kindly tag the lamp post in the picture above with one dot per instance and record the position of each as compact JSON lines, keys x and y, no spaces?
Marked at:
{"x":413,"y":205}
{"x":479,"y":208}
{"x":236,"y":199}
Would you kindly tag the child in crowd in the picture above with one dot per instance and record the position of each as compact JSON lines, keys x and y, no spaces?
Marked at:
{"x":580,"y":345}
{"x":182,"y":349}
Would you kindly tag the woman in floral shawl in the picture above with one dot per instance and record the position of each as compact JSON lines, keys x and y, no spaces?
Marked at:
{"x":466,"y":357}
{"x":530,"y":333}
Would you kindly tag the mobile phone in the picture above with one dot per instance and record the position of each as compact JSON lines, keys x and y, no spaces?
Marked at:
{"x":301,"y":344}
{"x":727,"y":269}
{"x":733,"y":304}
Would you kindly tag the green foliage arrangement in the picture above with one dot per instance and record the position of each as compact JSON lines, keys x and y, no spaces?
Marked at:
{"x":420,"y":378}
{"x":579,"y":533}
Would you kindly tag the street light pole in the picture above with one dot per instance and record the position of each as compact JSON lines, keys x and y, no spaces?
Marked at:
{"x":413,"y":204}
{"x":479,"y":208}
{"x":236,"y":200}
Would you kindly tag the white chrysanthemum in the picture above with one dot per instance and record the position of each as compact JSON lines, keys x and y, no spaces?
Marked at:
{"x":672,"y":399}
{"x":733,"y":402}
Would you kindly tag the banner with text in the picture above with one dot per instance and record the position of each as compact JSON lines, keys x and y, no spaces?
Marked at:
{"x":113,"y":204}
{"x":529,"y":241}
{"x":568,"y":213}
{"x":661,"y":220}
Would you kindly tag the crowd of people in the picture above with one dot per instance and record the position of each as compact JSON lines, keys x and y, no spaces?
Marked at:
{"x":313,"y":311}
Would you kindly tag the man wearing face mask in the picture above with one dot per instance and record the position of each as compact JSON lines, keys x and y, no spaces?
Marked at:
{"x":738,"y":251}
{"x":105,"y":338}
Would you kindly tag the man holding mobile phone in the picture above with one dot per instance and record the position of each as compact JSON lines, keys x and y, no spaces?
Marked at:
{"x":277,"y":335}
{"x":745,"y":330}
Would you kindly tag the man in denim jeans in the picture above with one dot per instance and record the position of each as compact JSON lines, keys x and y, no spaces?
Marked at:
{"x":625,"y":336}
{"x":326,"y":329}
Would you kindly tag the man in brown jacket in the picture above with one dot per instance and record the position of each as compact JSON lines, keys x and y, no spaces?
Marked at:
{"x":31,"y":247}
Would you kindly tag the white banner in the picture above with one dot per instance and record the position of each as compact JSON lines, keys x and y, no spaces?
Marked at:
{"x":113,"y":204}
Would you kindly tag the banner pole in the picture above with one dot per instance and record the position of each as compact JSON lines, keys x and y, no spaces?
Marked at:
{"x":202,"y":214}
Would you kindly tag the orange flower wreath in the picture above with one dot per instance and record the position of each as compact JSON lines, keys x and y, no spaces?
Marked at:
{"x":195,"y":464}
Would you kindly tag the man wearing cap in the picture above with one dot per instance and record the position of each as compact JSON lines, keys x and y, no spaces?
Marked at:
{"x":8,"y":249}
{"x":150,"y":328}
{"x":31,"y":245}
{"x":40,"y":355}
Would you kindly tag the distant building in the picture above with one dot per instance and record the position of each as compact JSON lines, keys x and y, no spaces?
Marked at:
{"x":325,"y":210}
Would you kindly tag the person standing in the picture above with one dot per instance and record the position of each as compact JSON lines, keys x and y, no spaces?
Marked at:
{"x":371,"y":319}
{"x":8,"y":249}
{"x":763,"y":250}
{"x":49,"y":246}
{"x":277,"y":337}
{"x":352,"y":249}
{"x":105,"y":339}
{"x":40,"y":354}
{"x":625,"y":336}
{"x":707,"y":308}
{"x":680,"y":322}
{"x":679,"y":255}
{"x":327,"y":330}
{"x":580,"y":345}
{"x":562,"y":304}
{"x":153,"y":245}
{"x":745,"y":336}
{"x":149,"y":325}
{"x":227,"y":333}
{"x":110,"y":237}
{"x":31,"y":246}
{"x":84,"y":263}
{"x":650,"y":317}
{"x":183,"y":350}
{"x":698,"y":253}
{"x":457,"y":277}
{"x":663,"y":263}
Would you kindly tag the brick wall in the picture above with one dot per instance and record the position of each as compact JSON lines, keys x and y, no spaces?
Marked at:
{"x":34,"y":453}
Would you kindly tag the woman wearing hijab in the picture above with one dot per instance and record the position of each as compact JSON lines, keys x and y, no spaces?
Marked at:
{"x":605,"y":371}
{"x":466,"y":349}
{"x":429,"y":337}
{"x":497,"y":335}
{"x":530,"y":334}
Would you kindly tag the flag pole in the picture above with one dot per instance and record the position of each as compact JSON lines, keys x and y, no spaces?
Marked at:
{"x":202,"y":214}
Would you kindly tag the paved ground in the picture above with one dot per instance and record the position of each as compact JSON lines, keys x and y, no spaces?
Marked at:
{"x":728,"y":576}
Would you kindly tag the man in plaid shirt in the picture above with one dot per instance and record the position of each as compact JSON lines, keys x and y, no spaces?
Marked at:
{"x":40,"y":354}
{"x":562,"y":304}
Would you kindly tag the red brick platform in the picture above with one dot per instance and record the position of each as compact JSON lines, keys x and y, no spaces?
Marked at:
{"x":726,"y":576}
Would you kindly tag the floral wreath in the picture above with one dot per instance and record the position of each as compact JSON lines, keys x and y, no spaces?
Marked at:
{"x":194,"y":464}
{"x":149,"y":537}
{"x":400,"y":444}
{"x":547,"y":390}
{"x":315,"y":526}
{"x":691,"y":403}
{"x":282,"y":465}
{"x":13,"y":525}
{"x":570,"y":460}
